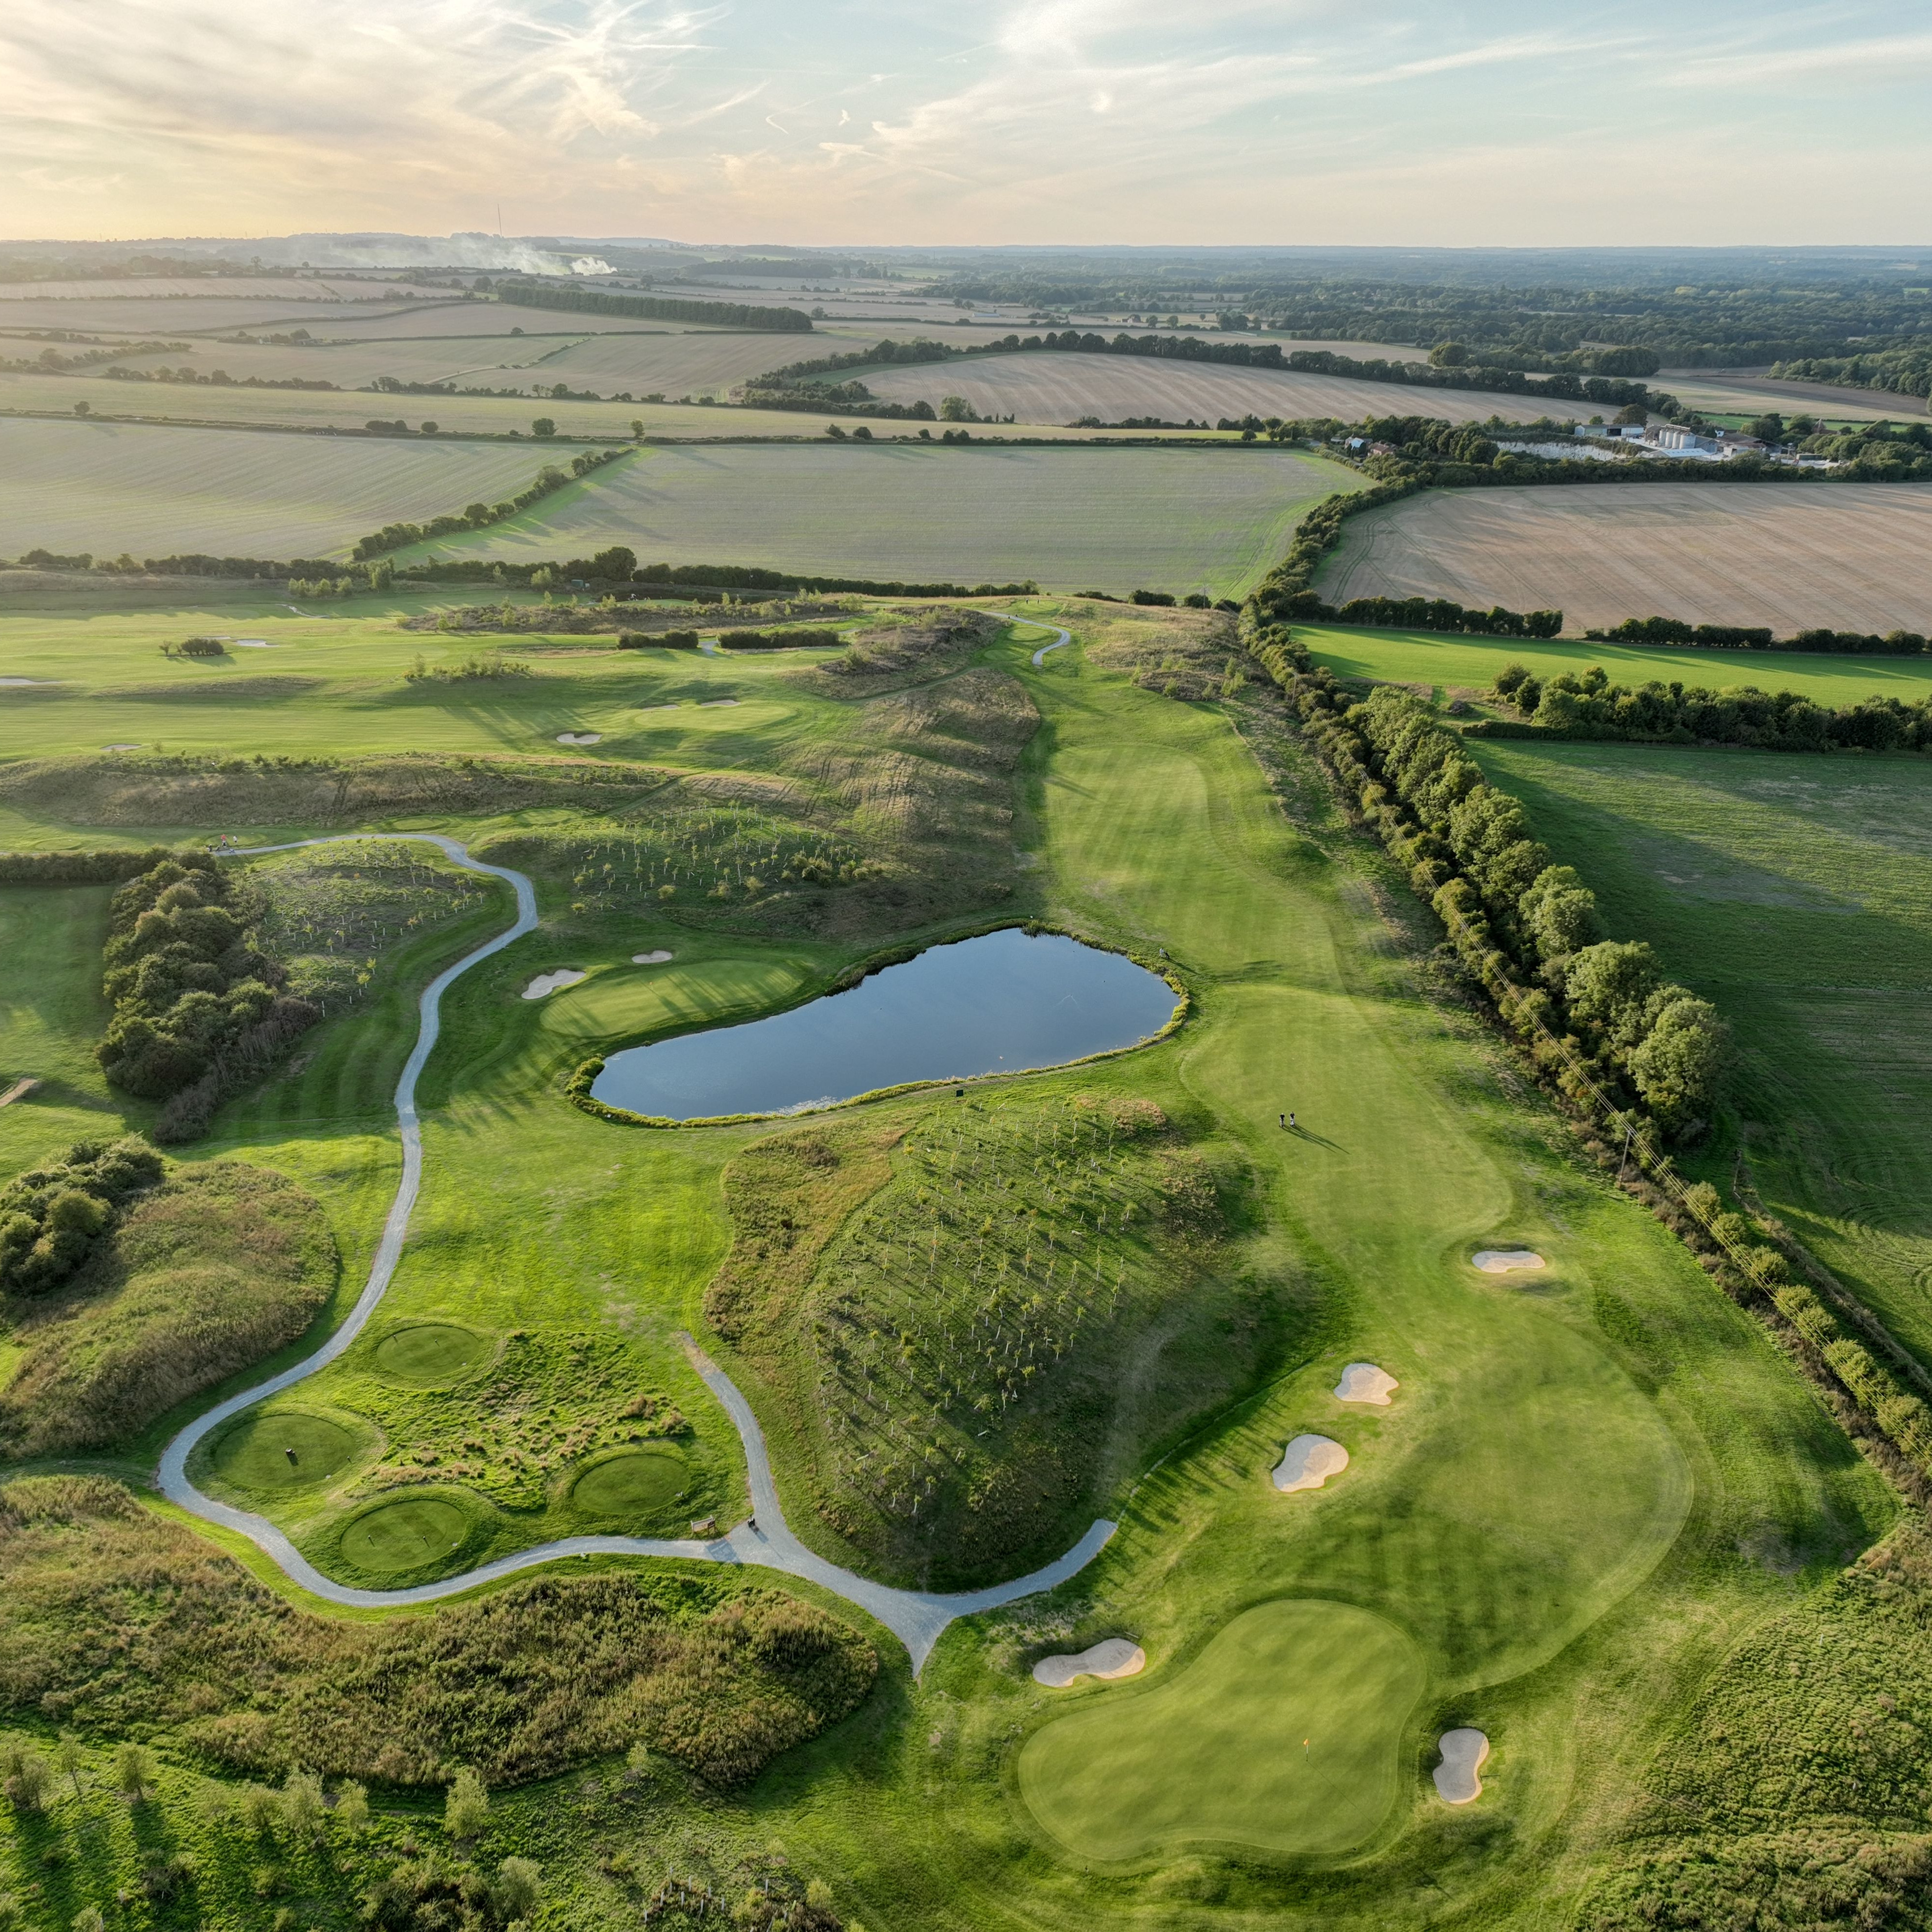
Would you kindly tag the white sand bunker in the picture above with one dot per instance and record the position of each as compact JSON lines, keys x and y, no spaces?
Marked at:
{"x":1308,"y":1462}
{"x":716,"y":704}
{"x":251,"y":644}
{"x":120,"y":747}
{"x":649,"y":959}
{"x":1463,"y":1755}
{"x":11,"y":682}
{"x":1502,"y":1260}
{"x":1363,"y":1382}
{"x":551,"y":982}
{"x":1111,"y":1656}
{"x":580,"y":737}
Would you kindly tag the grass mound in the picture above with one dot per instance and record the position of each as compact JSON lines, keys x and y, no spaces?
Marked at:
{"x":169,"y":789}
{"x":288,"y":1449}
{"x":427,"y":1353}
{"x":1285,"y":1734}
{"x":953,"y":1322}
{"x":515,"y":1430}
{"x":220,"y":1265}
{"x":633,"y":1484}
{"x":522,"y":1685}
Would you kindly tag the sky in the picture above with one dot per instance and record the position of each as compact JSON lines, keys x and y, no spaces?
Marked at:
{"x":1500,"y":122}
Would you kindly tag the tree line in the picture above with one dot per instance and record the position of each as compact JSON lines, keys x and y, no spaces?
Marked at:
{"x":1586,"y":705}
{"x":1760,"y":637}
{"x":755,"y":316}
{"x":479,"y":516}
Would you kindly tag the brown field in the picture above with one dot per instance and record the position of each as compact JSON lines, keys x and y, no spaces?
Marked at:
{"x":1848,"y":556}
{"x":199,"y":404}
{"x":216,"y":288}
{"x":146,"y":316}
{"x":1054,"y":387}
{"x":1750,"y":392}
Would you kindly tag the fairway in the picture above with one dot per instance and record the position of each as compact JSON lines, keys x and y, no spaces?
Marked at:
{"x":1057,"y":386}
{"x":286,"y":1449}
{"x":1843,"y":556}
{"x":1797,"y":893}
{"x":1117,"y":520}
{"x":1285,"y":1734}
{"x":106,"y":487}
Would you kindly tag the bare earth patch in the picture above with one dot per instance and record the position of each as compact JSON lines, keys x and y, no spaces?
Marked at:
{"x":1111,"y":1657}
{"x":1308,"y":1462}
{"x":1504,"y":1261}
{"x":548,"y":983}
{"x":1363,"y":1382}
{"x":1464,"y":1753}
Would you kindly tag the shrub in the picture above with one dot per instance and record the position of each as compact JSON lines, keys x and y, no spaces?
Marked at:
{"x":51,"y":1218}
{"x":465,"y":1809}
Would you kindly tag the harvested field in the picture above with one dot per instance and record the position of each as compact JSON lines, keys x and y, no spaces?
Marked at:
{"x":147,"y":308}
{"x":104,"y":488}
{"x":1794,"y":556}
{"x":1055,"y":387}
{"x":1180,"y":520}
{"x":1751,"y":392}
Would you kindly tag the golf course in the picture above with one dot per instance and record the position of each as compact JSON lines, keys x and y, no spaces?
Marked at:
{"x":1020,"y":1364}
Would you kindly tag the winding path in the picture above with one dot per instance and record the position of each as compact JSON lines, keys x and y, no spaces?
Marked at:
{"x":916,"y":1617}
{"x":1039,"y":623}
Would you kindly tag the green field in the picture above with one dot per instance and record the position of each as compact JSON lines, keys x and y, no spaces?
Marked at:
{"x":1592,"y":1484}
{"x":1797,"y":893}
{"x":1179,"y":521}
{"x":105,"y":488}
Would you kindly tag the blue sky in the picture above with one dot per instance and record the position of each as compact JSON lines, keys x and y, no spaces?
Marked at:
{"x":1079,"y":120}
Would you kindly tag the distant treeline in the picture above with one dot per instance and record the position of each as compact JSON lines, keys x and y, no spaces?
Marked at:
{"x":655,"y":307}
{"x":1906,"y":371}
{"x":1586,"y":705}
{"x":1613,"y":391}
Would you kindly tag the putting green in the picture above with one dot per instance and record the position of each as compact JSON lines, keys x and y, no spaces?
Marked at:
{"x":287,"y":1450}
{"x":429,"y":1352}
{"x":1285,"y":1734}
{"x":639,"y":1483}
{"x":404,"y":1535}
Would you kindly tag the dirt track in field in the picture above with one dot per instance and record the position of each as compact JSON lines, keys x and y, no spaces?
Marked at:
{"x":1852,"y":556}
{"x":1054,"y":386}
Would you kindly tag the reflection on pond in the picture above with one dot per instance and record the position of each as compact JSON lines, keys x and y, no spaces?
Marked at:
{"x":1004,"y":1002}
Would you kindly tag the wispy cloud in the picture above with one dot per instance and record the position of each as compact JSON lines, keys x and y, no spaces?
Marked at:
{"x":1032,"y":119}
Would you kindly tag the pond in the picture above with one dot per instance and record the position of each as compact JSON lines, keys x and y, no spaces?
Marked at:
{"x":1005,"y":1002}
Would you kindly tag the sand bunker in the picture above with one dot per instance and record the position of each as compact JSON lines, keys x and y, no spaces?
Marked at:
{"x":1308,"y":1462}
{"x":580,"y":737}
{"x":120,"y":747}
{"x":11,"y":682}
{"x":1463,"y":1753}
{"x":251,"y":644}
{"x":1111,"y":1656}
{"x":1501,"y":1260}
{"x":716,"y":704}
{"x":551,"y":982}
{"x":1363,"y":1382}
{"x":649,"y":959}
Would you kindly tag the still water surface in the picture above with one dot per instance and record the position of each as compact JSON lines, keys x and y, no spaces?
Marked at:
{"x":1002,"y":1003}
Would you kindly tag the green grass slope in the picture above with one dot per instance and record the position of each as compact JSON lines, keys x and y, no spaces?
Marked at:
{"x":1797,"y":893}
